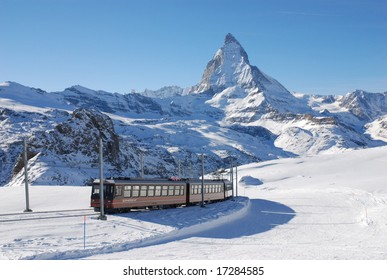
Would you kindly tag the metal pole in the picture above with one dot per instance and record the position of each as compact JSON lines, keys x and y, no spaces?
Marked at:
{"x":190,"y":167}
{"x":236,"y":179}
{"x":202,"y":204}
{"x":232,"y":178}
{"x":142,"y":165}
{"x":84,"y":232}
{"x":101,"y":193}
{"x":26,"y":177}
{"x":179,"y":169}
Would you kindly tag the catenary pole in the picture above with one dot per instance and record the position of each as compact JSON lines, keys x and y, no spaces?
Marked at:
{"x":142,"y":164}
{"x":236,"y":179}
{"x":25,"y":157}
{"x":232,"y":177}
{"x":102,"y":215}
{"x":202,"y":204}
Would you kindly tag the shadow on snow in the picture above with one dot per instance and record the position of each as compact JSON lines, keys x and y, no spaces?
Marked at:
{"x":263,"y":215}
{"x":225,"y":220}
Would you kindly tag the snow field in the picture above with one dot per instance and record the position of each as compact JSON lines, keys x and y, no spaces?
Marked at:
{"x":323,"y":207}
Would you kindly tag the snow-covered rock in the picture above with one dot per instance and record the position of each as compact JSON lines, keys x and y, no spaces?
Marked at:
{"x":365,"y":105}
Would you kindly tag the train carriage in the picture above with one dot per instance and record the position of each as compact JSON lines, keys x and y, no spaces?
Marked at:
{"x":123,"y":194}
{"x":213,"y":190}
{"x":228,"y":188}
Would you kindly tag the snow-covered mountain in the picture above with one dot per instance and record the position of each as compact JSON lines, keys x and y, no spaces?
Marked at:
{"x":230,"y":66}
{"x":242,"y":90}
{"x":365,"y":105}
{"x":236,"y":111}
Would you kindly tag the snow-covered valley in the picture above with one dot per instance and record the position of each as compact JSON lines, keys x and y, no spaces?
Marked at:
{"x":318,"y":207}
{"x":311,"y":169}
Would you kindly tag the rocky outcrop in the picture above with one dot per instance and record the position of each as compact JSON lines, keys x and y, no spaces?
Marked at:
{"x":365,"y":105}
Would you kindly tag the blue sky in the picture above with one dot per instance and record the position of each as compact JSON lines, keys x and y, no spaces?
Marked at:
{"x":319,"y":47}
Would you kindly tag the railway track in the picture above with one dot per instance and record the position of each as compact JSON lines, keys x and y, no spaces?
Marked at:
{"x":45,"y":215}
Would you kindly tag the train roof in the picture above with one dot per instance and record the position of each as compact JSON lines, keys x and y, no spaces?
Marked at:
{"x":156,"y":180}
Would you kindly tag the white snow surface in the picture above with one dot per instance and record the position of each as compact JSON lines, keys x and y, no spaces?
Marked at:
{"x":320,"y":207}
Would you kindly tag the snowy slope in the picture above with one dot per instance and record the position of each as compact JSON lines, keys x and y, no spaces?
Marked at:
{"x":321,"y":207}
{"x":377,"y":129}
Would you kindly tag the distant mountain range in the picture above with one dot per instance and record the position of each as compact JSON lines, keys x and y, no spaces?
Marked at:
{"x":235,"y":111}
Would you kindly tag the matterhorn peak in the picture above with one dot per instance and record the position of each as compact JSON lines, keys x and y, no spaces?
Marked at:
{"x":233,"y":49}
{"x":230,"y":39}
{"x":230,"y":67}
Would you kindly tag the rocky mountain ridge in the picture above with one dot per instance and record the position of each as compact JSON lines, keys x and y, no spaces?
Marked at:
{"x":235,"y":111}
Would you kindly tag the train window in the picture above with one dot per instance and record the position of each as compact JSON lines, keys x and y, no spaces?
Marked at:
{"x":118,"y":191}
{"x":151,"y":191}
{"x":164,"y":191}
{"x":181,"y":190}
{"x":171,"y":190}
{"x":143,"y":190}
{"x":158,"y":191}
{"x":135,"y":191}
{"x":127,"y":191}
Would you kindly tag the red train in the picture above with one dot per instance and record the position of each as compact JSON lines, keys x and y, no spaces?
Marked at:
{"x":124,"y":194}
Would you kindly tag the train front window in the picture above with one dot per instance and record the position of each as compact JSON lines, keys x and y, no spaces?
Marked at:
{"x":108,"y":190}
{"x":95,"y":189}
